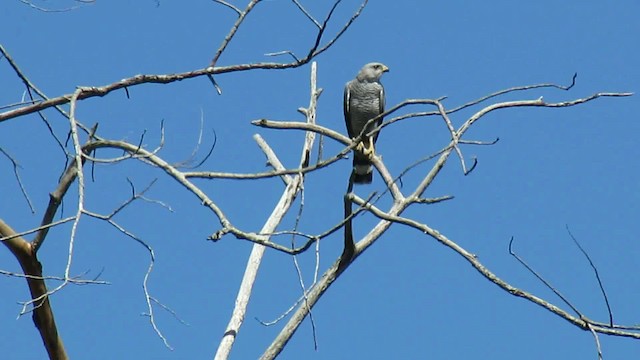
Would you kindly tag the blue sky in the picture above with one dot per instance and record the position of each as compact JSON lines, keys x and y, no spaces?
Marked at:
{"x":407,"y":297}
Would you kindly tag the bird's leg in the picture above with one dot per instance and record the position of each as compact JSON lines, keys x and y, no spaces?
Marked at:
{"x":360,"y":147}
{"x":368,"y":150}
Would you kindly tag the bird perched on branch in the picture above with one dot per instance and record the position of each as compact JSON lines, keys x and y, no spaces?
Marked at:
{"x":363,"y":101}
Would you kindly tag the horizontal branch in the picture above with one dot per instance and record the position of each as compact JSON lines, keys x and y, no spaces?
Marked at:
{"x":295,"y":125}
{"x":227,"y":227}
{"x":582,"y":322}
{"x":89,"y":92}
{"x":267,"y":174}
{"x":536,"y":103}
{"x":99,"y":91}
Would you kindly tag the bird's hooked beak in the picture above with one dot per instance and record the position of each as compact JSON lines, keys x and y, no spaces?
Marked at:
{"x":385,"y":68}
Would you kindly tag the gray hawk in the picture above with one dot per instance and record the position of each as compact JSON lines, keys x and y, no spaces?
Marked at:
{"x":364,"y":100}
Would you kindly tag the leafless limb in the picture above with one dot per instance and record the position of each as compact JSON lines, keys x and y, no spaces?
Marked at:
{"x":476,"y":142}
{"x":230,"y":6}
{"x":40,"y":8}
{"x":283,"y":52}
{"x":30,"y":86}
{"x":127,"y":154}
{"x":317,"y":51}
{"x":443,"y":153}
{"x":542,"y":279}
{"x":588,"y":324}
{"x":26,"y":254}
{"x":52,"y":224}
{"x":307,"y":14}
{"x":187,"y":163}
{"x":234,"y":28}
{"x":262,"y":175}
{"x":581,"y":321}
{"x":409,"y":102}
{"x":42,"y":316}
{"x":293,"y":179}
{"x":468,"y":104}
{"x":95,"y":91}
{"x":432,"y":200}
{"x":314,"y":238}
{"x":26,"y":251}
{"x":76,"y":280}
{"x":284,"y":314}
{"x":516,"y":89}
{"x":80,"y":176}
{"x":401,"y":203}
{"x":310,"y":115}
{"x":17,"y":175}
{"x":454,"y":136}
{"x":299,"y":272}
{"x":150,"y":300}
{"x":595,"y":272}
{"x":174,"y":173}
{"x":170,"y":311}
{"x":269,"y":174}
{"x":596,"y":339}
{"x":293,"y":187}
{"x":141,"y":196}
{"x":20,"y":103}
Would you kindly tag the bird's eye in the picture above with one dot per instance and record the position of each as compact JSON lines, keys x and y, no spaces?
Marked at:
{"x":376,"y":66}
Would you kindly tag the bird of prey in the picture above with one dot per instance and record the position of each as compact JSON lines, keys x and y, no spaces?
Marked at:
{"x":363,"y":101}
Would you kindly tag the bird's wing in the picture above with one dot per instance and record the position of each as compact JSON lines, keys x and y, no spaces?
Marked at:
{"x":381,"y":104}
{"x":381,"y":99}
{"x":347,"y":113}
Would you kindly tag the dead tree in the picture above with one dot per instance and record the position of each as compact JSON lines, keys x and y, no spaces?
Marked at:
{"x":85,"y":139}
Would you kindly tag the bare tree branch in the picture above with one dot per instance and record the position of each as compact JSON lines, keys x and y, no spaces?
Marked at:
{"x":230,"y":6}
{"x":307,"y":14}
{"x":40,"y":8}
{"x":55,"y":198}
{"x":234,"y":28}
{"x":17,"y":175}
{"x":100,"y":91}
{"x":595,"y":272}
{"x":393,"y":216}
{"x":293,"y":187}
{"x":43,"y":317}
{"x":35,"y":101}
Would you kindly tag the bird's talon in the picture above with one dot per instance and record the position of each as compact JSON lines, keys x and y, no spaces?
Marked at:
{"x":369,"y":151}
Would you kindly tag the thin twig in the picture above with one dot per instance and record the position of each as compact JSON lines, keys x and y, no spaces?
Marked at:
{"x":234,"y":29}
{"x":230,"y":6}
{"x":595,"y":272}
{"x":40,"y":8}
{"x":307,"y":14}
{"x":543,"y":280}
{"x":17,"y":175}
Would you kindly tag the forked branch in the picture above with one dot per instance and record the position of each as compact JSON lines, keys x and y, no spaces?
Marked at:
{"x":393,"y":215}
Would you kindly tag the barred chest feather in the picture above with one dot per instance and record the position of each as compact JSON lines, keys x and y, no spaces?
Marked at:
{"x":367,"y":104}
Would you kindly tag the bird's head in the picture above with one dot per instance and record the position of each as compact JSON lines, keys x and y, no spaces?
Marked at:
{"x":372,"y":72}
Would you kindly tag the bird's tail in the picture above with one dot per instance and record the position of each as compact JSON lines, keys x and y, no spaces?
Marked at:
{"x":362,"y":169}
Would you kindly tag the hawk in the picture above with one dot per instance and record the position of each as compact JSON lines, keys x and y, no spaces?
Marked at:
{"x":364,"y":100}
